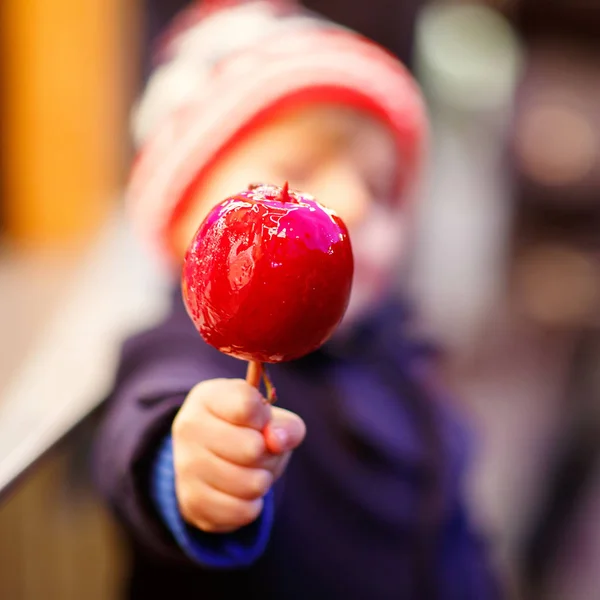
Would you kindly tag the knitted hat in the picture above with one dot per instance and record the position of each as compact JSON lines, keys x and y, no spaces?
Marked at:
{"x":226,"y":67}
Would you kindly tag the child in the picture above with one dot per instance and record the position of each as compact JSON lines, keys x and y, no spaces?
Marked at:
{"x":194,"y":462}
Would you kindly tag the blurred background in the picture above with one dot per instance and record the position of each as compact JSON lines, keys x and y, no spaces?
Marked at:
{"x":506,"y":269}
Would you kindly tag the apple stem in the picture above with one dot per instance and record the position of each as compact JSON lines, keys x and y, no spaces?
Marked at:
{"x":285,"y":192}
{"x":254,"y":372}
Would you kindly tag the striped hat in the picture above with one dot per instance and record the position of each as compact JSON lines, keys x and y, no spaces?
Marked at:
{"x":224,"y":68}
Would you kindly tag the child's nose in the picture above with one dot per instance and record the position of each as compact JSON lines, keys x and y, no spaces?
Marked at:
{"x":342,"y":189}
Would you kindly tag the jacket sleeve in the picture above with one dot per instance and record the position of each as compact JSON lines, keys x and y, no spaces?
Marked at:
{"x":157,"y":370}
{"x":466,"y":571}
{"x":220,"y":551}
{"x":466,"y":567}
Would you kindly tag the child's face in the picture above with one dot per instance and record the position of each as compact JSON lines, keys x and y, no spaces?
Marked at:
{"x":347,"y":160}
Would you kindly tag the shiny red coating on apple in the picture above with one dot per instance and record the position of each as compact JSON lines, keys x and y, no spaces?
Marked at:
{"x":267,"y":276}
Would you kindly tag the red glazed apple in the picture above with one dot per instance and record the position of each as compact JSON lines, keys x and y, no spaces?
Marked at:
{"x":267,"y":276}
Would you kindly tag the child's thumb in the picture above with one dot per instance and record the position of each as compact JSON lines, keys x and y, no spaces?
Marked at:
{"x":284,"y":432}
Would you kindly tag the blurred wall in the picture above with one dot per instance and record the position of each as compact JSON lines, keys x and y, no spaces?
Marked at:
{"x":56,"y":540}
{"x":68,"y":69}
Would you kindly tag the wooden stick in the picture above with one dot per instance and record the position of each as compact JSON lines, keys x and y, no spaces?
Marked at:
{"x":254,"y":373}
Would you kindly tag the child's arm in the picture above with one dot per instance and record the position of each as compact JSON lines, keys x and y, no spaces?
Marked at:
{"x":157,"y":371}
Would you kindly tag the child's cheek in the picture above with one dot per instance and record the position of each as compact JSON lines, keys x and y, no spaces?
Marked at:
{"x":377,"y":248}
{"x":368,"y":288}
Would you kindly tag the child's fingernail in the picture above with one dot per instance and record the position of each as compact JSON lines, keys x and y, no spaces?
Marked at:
{"x":281,"y":436}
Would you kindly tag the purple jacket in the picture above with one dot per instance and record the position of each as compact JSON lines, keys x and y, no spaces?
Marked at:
{"x":370,"y":505}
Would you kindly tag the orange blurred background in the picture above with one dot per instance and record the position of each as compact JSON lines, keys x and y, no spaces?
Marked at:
{"x":67,"y":81}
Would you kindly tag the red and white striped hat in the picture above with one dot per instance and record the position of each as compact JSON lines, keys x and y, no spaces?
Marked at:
{"x":224,"y":68}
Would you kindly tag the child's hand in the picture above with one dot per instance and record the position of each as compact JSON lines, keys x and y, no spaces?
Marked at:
{"x":229,"y":446}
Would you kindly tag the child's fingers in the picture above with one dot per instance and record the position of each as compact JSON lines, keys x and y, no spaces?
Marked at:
{"x":240,"y":445}
{"x":234,"y":401}
{"x":284,"y":432}
{"x":245,"y":483}
{"x":214,"y":511}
